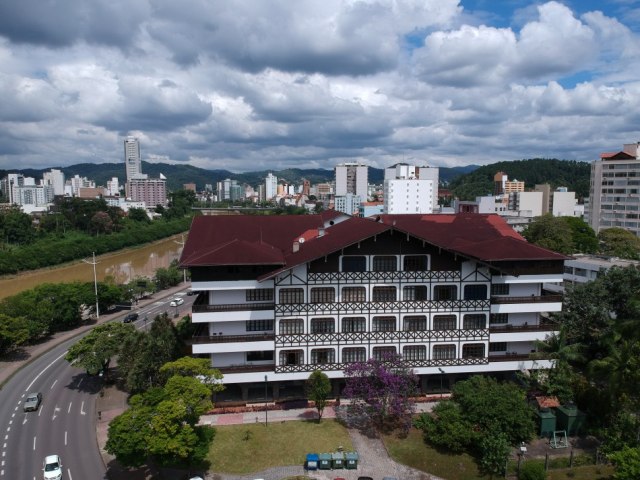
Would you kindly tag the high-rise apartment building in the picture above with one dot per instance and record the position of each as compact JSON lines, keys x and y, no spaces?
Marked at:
{"x":615,"y":190}
{"x":410,"y":189}
{"x":151,"y":191}
{"x":55,"y":179}
{"x":502,"y":184}
{"x":271,"y":186}
{"x":8,"y":183}
{"x":132,"y":160}
{"x":352,"y":178}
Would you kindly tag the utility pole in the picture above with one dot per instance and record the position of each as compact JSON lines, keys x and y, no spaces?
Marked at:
{"x":95,"y":281}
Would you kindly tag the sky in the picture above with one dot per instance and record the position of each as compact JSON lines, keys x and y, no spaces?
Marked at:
{"x":275,"y":84}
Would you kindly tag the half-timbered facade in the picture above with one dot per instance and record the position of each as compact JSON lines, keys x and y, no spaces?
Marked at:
{"x":283,"y":296}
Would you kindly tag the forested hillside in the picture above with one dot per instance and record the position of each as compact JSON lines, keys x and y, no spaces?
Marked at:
{"x":558,"y":173}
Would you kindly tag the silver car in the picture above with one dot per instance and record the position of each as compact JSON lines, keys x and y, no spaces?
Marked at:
{"x":32,"y":402}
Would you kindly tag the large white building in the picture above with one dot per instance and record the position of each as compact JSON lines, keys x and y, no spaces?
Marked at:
{"x":54,"y":178}
{"x":352,"y":178}
{"x":410,"y":189}
{"x":271,"y":186}
{"x":615,"y":190}
{"x":132,"y":159}
{"x":282,"y":296}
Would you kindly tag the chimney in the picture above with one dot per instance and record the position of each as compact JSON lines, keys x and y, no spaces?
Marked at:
{"x":296,"y":246}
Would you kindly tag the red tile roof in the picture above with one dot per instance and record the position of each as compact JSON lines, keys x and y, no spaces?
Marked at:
{"x":269,"y":240}
{"x":615,"y":156}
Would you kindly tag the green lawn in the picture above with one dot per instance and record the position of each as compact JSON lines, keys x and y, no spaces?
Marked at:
{"x":414,"y":452}
{"x":254,"y":447}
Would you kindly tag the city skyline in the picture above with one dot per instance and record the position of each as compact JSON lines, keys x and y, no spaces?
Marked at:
{"x":247,"y":87}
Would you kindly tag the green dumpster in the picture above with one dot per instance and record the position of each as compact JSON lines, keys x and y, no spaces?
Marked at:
{"x":337,"y":460}
{"x":570,"y":419}
{"x":351,"y":460}
{"x":546,"y":422}
{"x":324,"y":461}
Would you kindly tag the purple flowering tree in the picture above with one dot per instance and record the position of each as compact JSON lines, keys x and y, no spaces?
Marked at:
{"x":379,"y":391}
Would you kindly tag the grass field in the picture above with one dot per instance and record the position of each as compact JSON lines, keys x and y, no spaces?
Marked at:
{"x":254,"y":447}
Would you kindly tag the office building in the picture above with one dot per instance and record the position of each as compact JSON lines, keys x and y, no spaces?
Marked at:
{"x":132,"y":160}
{"x":271,"y":186}
{"x":282,"y":296}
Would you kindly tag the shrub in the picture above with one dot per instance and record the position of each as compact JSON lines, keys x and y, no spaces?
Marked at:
{"x":532,"y":470}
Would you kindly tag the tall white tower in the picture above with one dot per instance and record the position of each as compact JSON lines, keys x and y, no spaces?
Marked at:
{"x":271,"y":186}
{"x":132,"y":159}
{"x":352,"y":178}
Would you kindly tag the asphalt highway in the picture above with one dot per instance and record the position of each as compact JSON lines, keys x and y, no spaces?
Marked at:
{"x":65,"y":423}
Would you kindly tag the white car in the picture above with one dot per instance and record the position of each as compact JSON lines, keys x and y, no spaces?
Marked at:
{"x":176,"y":301}
{"x":52,"y":467}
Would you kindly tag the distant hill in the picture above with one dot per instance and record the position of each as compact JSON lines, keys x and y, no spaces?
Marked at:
{"x":178,"y":175}
{"x":558,"y":173}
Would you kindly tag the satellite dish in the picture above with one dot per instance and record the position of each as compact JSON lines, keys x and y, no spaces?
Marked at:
{"x":301,"y":240}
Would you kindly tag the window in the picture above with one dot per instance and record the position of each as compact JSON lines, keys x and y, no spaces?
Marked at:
{"x":258,"y":325}
{"x":354,"y":264}
{"x":415,"y":292}
{"x":475,"y":292}
{"x":473,"y":350}
{"x":414,"y":352}
{"x":383,"y":353}
{"x":384,"y":324}
{"x":322,"y":295}
{"x":384,"y":294}
{"x":260,"y":295}
{"x":323,"y":325}
{"x":474,"y":321}
{"x":498,"y":347}
{"x":291,"y":326}
{"x":445,"y":292}
{"x":444,"y":352}
{"x":291,"y":295}
{"x":291,"y":357}
{"x":415,"y":263}
{"x":500,"y":289}
{"x":498,"y":318}
{"x":354,"y":324}
{"x":384,"y":263}
{"x":354,"y":294}
{"x":415,"y":323}
{"x":323,"y":355}
{"x":351,"y":355}
{"x":260,"y":356}
{"x":444,"y":322}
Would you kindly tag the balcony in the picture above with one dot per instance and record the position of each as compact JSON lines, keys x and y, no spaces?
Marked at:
{"x":200,"y":339}
{"x":407,"y":306}
{"x":543,"y":327}
{"x":245,"y":368}
{"x":512,"y":357}
{"x":529,"y":299}
{"x":231,"y":307}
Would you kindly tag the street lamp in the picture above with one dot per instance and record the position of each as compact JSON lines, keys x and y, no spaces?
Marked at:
{"x":95,"y":281}
{"x":441,"y":377}
{"x":265,"y":401}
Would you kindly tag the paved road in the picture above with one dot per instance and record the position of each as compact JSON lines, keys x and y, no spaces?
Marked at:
{"x":65,"y":424}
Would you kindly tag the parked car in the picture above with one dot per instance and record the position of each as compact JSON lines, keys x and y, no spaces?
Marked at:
{"x":32,"y":402}
{"x":176,"y":301}
{"x":130,"y":317}
{"x":52,"y":467}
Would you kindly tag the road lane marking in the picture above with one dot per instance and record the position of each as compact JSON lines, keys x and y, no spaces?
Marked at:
{"x":51,"y":387}
{"x":82,"y":412}
{"x":25,"y":420}
{"x":44,"y":370}
{"x":13,"y":414}
{"x":69,"y":409}
{"x":80,"y":382}
{"x":40,"y":410}
{"x":65,"y":437}
{"x":8,"y":429}
{"x":55,"y":410}
{"x":69,"y":472}
{"x":34,"y":443}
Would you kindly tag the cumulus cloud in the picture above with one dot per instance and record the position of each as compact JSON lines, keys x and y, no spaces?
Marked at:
{"x":246,"y":85}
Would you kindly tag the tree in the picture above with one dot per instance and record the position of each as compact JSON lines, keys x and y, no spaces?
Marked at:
{"x":380,"y":391}
{"x":550,"y":232}
{"x":138,"y":215}
{"x":627,"y":463}
{"x":194,"y":367}
{"x":318,"y":389}
{"x":194,"y":395}
{"x":494,"y":452}
{"x":127,"y":436}
{"x":95,"y":351}
{"x":583,"y":237}
{"x":14,"y":331}
{"x":446,"y":427}
{"x":16,"y":227}
{"x":619,"y":243}
{"x":532,"y":471}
